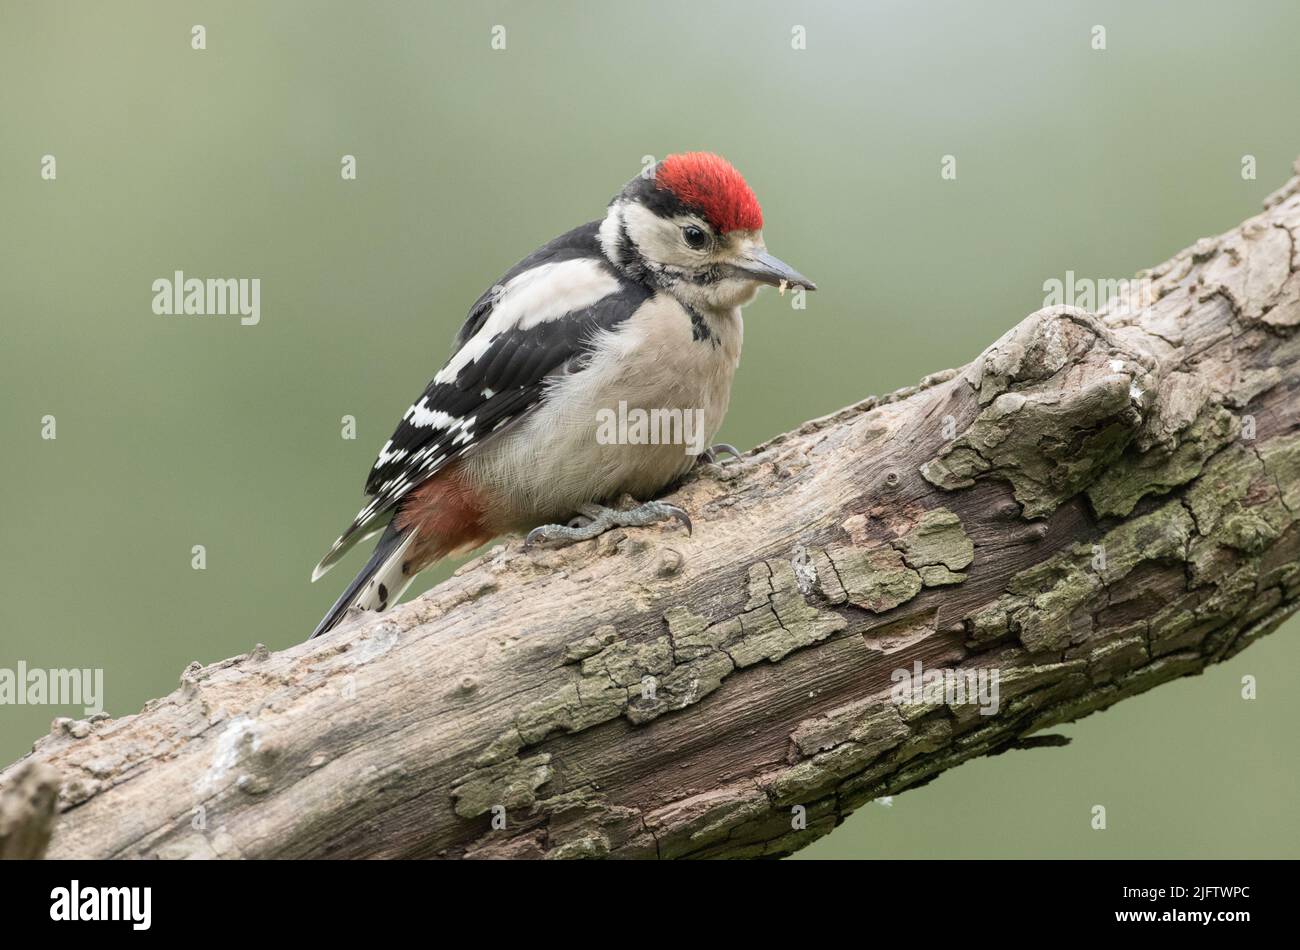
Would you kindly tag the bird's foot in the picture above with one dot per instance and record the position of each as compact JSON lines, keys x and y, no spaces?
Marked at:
{"x":597,"y":519}
{"x":710,"y":455}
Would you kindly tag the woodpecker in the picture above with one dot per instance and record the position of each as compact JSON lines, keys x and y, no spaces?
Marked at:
{"x":638,"y":309}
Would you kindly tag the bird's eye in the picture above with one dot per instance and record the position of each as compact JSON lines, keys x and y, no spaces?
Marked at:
{"x":695,"y":237}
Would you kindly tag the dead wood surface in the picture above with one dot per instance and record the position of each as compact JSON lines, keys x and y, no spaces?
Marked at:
{"x":1096,"y":505}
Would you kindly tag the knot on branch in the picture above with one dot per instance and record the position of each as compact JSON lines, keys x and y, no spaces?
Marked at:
{"x":1057,"y":400}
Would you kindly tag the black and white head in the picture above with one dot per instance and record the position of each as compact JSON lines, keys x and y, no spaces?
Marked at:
{"x":693,"y":227}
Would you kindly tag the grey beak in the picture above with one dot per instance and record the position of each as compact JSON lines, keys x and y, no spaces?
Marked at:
{"x":760,"y":265}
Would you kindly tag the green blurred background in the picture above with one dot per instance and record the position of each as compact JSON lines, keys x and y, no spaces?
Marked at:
{"x":175,"y":431}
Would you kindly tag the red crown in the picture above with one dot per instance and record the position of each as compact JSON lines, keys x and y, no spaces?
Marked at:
{"x":708,"y":183}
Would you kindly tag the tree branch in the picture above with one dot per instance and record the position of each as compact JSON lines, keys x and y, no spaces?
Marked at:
{"x":1097,"y":504}
{"x":27,"y":810}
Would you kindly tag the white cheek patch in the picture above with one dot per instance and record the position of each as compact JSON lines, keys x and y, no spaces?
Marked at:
{"x":610,"y":228}
{"x":547,"y":292}
{"x":658,"y":239}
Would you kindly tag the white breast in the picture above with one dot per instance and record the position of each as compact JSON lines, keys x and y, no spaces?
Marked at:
{"x":560,"y":457}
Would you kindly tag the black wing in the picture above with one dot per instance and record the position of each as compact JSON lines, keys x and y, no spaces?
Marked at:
{"x":504,"y":379}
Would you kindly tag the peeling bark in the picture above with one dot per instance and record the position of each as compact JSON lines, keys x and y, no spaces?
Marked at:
{"x":1097,"y":504}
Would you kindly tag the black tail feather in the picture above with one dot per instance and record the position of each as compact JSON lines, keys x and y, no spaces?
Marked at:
{"x":391,"y":540}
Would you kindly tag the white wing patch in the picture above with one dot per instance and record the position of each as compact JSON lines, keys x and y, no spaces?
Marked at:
{"x":422,"y":416}
{"x":465,"y":434}
{"x":543,"y":293}
{"x":387,"y":455}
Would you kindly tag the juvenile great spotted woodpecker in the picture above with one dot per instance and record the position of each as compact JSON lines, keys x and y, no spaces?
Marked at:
{"x":641,"y":308}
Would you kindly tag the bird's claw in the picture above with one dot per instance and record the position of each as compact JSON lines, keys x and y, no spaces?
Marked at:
{"x":710,"y":455}
{"x":541,"y":534}
{"x":670,"y":511}
{"x":594,"y":520}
